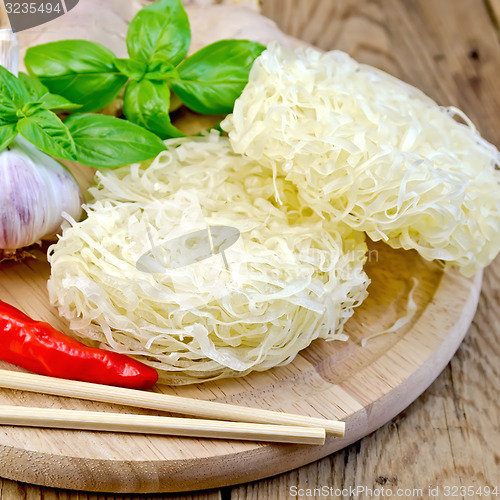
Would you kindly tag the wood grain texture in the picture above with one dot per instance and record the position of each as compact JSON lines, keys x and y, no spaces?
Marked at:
{"x":364,"y":386}
{"x":12,"y":490}
{"x":451,"y":434}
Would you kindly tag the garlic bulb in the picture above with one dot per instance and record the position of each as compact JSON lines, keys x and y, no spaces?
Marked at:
{"x":35,"y":189}
{"x":34,"y":192}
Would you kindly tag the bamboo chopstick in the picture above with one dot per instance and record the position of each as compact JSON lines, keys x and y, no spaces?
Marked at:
{"x":147,"y":424}
{"x":162,"y":402}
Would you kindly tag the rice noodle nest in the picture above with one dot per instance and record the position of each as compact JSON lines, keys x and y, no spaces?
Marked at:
{"x":292,"y":276}
{"x":373,"y":152}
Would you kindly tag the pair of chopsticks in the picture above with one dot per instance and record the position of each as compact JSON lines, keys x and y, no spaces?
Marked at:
{"x":225,"y":421}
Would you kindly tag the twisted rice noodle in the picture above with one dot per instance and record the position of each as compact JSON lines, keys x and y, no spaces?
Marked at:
{"x":293,"y":277}
{"x":366,"y":149}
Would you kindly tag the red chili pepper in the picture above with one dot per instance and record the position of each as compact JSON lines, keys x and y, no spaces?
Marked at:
{"x":40,"y":348}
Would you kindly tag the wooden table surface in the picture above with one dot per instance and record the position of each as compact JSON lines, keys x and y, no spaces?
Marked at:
{"x":451,"y":435}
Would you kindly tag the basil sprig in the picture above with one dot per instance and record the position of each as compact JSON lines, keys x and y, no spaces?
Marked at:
{"x":82,"y":72}
{"x":147,"y":103}
{"x":213,"y":78}
{"x":102,"y":140}
{"x":159,"y":31}
{"x":27,"y":108}
{"x":38,"y":92}
{"x":158,"y":40}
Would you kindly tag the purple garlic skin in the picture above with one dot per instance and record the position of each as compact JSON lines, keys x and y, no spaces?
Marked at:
{"x":35,"y":190}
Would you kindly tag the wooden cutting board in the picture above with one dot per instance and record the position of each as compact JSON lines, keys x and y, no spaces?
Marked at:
{"x":365,"y":386}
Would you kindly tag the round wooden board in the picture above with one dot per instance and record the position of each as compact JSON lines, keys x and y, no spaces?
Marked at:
{"x":365,"y":386}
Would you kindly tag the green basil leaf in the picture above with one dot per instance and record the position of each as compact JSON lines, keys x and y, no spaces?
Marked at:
{"x":147,"y":104}
{"x":214,"y":77}
{"x":38,"y":92}
{"x":33,"y":86}
{"x":58,"y":103}
{"x":159,"y":31}
{"x":12,"y":89}
{"x":48,"y":133}
{"x":7,"y":135}
{"x":135,"y":70}
{"x":105,"y":141}
{"x":8,"y":111}
{"x":30,"y":109}
{"x":161,"y":70}
{"x":83,"y":72}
